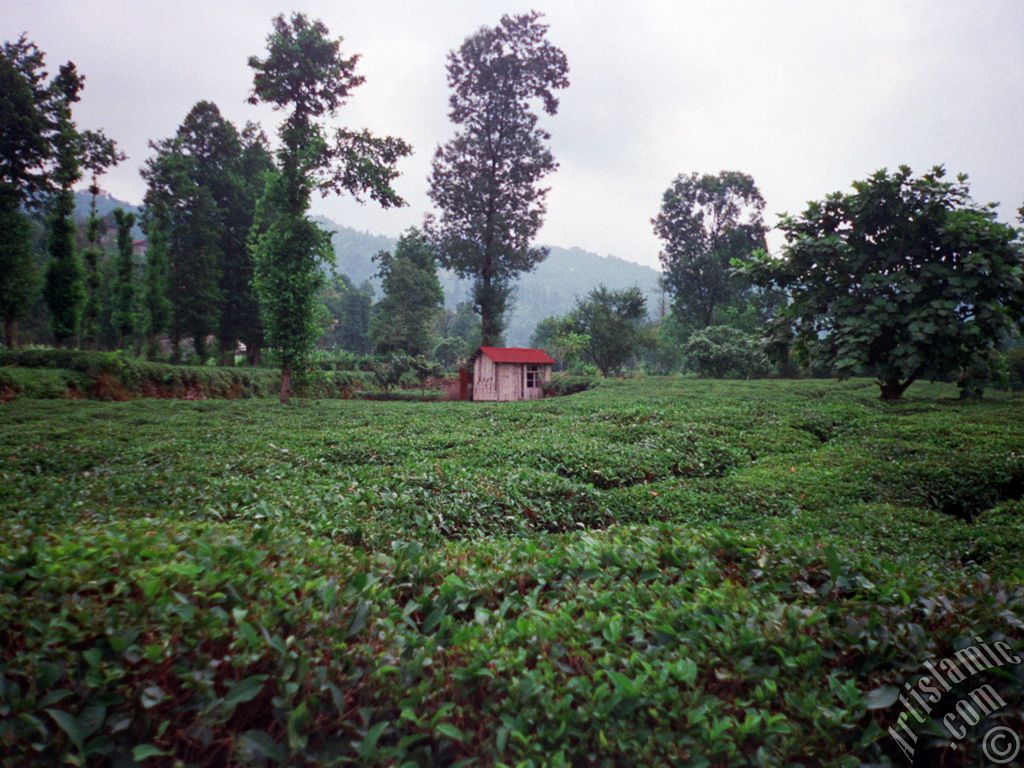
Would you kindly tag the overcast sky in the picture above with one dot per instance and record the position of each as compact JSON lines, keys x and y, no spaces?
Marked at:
{"x":804,"y":96}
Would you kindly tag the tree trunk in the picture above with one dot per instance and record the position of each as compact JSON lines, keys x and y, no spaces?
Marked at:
{"x":485,"y":325}
{"x":892,"y":390}
{"x":10,"y":332}
{"x":254,"y":355}
{"x":286,"y":384}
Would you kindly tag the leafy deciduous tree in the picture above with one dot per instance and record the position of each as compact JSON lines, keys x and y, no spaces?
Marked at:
{"x":485,"y":181}
{"x":305,"y":73}
{"x":412,"y":297}
{"x":611,"y":320}
{"x":707,"y":222}
{"x":904,"y":276}
{"x":720,"y":351}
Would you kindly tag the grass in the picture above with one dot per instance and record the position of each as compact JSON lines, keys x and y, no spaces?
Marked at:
{"x":660,"y":571}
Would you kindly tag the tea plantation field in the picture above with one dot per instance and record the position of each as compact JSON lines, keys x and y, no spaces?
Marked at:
{"x":654,"y":572}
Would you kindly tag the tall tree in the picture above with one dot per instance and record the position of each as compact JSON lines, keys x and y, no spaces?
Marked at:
{"x":124,"y":294}
{"x":404,"y":317}
{"x":305,"y":73}
{"x":611,"y":322}
{"x":348,"y":313}
{"x":178,"y":200}
{"x":707,"y":221}
{"x":24,"y":151}
{"x":98,"y":154}
{"x":156,"y":306}
{"x":64,"y":290}
{"x":903,"y":277}
{"x":239,"y":311}
{"x":485,"y":181}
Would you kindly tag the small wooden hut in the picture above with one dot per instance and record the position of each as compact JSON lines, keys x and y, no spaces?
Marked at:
{"x":510,"y":373}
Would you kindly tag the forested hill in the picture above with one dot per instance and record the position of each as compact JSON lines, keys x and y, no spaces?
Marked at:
{"x":105,"y":205}
{"x":551,"y":289}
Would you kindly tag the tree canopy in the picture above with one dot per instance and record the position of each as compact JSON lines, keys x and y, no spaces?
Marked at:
{"x":485,"y":180}
{"x":403,"y":319}
{"x":611,"y":323}
{"x":305,"y":73}
{"x":706,"y":222}
{"x":904,"y":276}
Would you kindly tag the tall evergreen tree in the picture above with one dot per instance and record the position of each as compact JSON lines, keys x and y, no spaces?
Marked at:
{"x":186,"y":210}
{"x":412,"y":297}
{"x":486,"y":180}
{"x":24,"y":151}
{"x":239,"y":311}
{"x":124,"y":295}
{"x":64,"y":290}
{"x":98,"y":154}
{"x":205,"y":182}
{"x":305,"y":73}
{"x":156,"y":305}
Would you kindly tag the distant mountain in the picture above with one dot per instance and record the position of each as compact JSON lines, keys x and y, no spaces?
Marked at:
{"x":105,"y":205}
{"x":551,"y":289}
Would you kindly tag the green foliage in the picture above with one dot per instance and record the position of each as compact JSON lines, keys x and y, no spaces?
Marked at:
{"x":305,"y":73}
{"x":68,"y":373}
{"x":203,"y":184}
{"x":64,"y":289}
{"x":124,"y":317}
{"x":1015,"y":367}
{"x":348,"y":312}
{"x":184,"y":212}
{"x":239,"y":310}
{"x":156,"y":304}
{"x":707,"y":222}
{"x":561,"y":337}
{"x":99,"y":153}
{"x":648,"y":573}
{"x":400,"y":367}
{"x":18,"y":277}
{"x":24,"y":151}
{"x":289,"y":254}
{"x":609,"y":322}
{"x":721,"y":352}
{"x":568,"y":384}
{"x":485,"y":180}
{"x":458,"y":334}
{"x":903,"y":277}
{"x":25,"y":112}
{"x":412,"y":297}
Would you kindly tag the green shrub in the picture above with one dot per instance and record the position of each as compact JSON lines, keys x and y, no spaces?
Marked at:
{"x":568,"y":384}
{"x":721,"y":352}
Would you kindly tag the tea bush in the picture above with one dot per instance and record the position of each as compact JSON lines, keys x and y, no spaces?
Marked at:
{"x":653,"y":572}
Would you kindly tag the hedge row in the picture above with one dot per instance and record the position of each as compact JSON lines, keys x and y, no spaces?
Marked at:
{"x":57,"y":373}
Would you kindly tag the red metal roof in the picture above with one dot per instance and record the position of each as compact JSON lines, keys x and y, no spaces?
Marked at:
{"x":518,"y":355}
